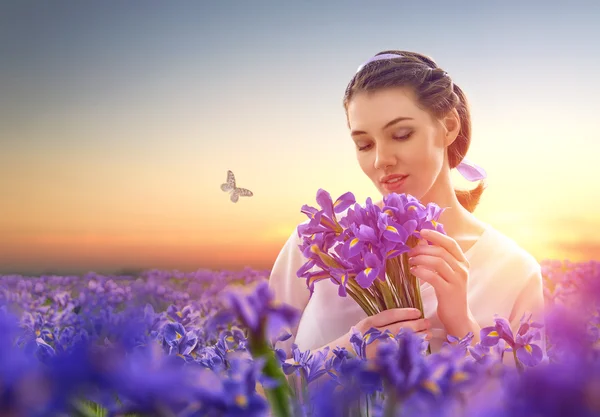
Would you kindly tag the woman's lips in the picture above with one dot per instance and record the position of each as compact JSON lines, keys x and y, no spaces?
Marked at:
{"x":395,"y":185}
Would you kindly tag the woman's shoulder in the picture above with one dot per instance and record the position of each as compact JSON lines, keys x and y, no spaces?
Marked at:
{"x":500,"y":248}
{"x":284,"y":282}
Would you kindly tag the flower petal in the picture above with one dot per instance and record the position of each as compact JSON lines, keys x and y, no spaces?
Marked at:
{"x":470,"y":171}
{"x":530,"y":354}
{"x":366,"y":277}
{"x":489,"y":336}
{"x":343,"y":202}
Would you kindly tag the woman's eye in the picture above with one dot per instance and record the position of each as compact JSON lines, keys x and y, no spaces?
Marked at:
{"x":396,"y":137}
{"x":403,"y":137}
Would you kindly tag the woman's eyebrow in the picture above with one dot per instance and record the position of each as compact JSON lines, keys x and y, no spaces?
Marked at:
{"x":388,"y":124}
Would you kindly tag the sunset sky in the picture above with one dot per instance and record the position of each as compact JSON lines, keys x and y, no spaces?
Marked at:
{"x":119,"y":121}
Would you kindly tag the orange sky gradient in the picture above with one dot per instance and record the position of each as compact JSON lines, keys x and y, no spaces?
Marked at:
{"x":114,"y":142}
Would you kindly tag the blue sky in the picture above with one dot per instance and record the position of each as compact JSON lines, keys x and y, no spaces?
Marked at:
{"x":117,"y":119}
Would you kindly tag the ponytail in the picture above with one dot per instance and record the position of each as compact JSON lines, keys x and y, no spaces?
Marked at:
{"x":469,"y":199}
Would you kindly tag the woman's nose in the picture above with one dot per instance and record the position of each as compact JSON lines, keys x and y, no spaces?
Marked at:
{"x":384,"y":157}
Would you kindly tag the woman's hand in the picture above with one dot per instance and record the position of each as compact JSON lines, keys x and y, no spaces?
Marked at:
{"x":444,"y":266}
{"x":393,"y":320}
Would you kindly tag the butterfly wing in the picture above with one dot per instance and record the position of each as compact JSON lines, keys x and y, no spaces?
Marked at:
{"x":235,"y":196}
{"x":244,"y":192}
{"x":230,"y":184}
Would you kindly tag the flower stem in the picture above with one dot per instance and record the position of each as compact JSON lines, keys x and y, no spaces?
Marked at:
{"x":520,"y":366}
{"x":419,"y":302}
{"x":390,"y":403}
{"x":277,"y":396}
{"x":361,"y":298}
{"x":81,"y":409}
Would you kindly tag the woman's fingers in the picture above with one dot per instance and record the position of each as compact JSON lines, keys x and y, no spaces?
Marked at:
{"x":437,"y":251}
{"x":392,"y":315}
{"x":427,"y":275}
{"x":445,"y":242}
{"x":414,"y":325}
{"x":426,"y":334}
{"x":423,"y":331}
{"x":434,"y":264}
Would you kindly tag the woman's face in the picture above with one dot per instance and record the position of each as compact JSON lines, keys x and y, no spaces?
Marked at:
{"x":396,"y":139}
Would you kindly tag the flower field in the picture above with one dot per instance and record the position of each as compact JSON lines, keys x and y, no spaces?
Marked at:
{"x":168,"y":343}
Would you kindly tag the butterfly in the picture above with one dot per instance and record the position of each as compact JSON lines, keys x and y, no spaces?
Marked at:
{"x":236,"y":192}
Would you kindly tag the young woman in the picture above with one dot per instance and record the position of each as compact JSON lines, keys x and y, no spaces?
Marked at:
{"x":411,"y":125}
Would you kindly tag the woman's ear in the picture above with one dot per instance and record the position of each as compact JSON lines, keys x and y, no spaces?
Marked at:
{"x":451,"y":125}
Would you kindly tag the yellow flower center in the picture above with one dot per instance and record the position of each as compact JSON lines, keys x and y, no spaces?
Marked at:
{"x":432,"y":386}
{"x":241,"y":400}
{"x":459,"y":376}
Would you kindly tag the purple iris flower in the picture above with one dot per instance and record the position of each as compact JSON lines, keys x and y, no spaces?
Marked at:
{"x":340,"y":277}
{"x":185,"y":316}
{"x":313,"y":277}
{"x":431,"y":221}
{"x":325,"y":220}
{"x":258,"y":309}
{"x":360,"y":342}
{"x":149,"y":383}
{"x":317,"y":224}
{"x":357,"y":237}
{"x":459,"y":344}
{"x":562,"y":389}
{"x":391,"y":230}
{"x":310,"y":365}
{"x":527,"y":353}
{"x":280,"y":354}
{"x":153,"y":321}
{"x":329,"y":207}
{"x":402,"y":364}
{"x":36,"y":326}
{"x":324,"y":241}
{"x":356,"y":215}
{"x":324,"y":260}
{"x":176,"y":341}
{"x":211,"y":357}
{"x":25,"y":384}
{"x":373,"y":267}
{"x":350,"y":377}
{"x":500,"y":330}
{"x":332,"y":365}
{"x":365,"y":233}
{"x":232,"y":393}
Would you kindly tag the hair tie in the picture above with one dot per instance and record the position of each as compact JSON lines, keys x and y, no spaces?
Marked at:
{"x":379,"y":57}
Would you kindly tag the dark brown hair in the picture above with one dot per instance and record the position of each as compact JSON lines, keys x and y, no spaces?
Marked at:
{"x":436,"y":93}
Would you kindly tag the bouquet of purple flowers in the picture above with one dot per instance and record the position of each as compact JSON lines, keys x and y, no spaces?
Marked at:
{"x":364,"y":253}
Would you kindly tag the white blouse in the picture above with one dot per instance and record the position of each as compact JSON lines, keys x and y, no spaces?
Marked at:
{"x":504,"y":279}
